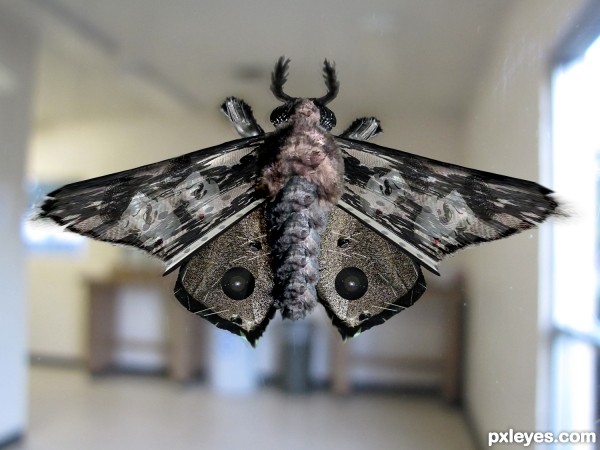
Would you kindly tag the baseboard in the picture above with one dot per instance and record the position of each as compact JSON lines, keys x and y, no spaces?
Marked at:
{"x":55,"y":361}
{"x":472,"y":428}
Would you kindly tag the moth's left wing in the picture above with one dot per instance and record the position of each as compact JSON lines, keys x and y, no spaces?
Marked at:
{"x":431,"y":208}
{"x":229,"y":281}
{"x":168,"y":209}
{"x":364,"y":279}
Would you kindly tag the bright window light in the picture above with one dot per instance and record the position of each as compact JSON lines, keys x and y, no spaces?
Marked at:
{"x":42,"y":235}
{"x":576,"y":158}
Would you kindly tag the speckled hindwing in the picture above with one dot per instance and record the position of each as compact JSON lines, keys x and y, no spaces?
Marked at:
{"x":364,"y":278}
{"x":229,"y":280}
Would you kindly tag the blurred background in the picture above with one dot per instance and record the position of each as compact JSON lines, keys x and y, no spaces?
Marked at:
{"x":95,"y":352}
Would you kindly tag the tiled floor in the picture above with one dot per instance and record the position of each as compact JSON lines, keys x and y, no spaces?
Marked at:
{"x":70,"y":411}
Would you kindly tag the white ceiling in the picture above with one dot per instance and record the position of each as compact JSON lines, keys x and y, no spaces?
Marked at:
{"x":129,"y":56}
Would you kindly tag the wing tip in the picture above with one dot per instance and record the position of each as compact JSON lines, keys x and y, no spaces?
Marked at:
{"x":559,"y":208}
{"x":46,"y":212}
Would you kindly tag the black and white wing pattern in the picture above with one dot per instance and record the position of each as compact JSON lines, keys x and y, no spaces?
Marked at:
{"x":364,"y":279}
{"x":168,"y":209}
{"x":431,"y":208}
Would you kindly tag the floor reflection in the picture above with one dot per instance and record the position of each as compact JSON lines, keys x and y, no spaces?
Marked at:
{"x":70,"y":410}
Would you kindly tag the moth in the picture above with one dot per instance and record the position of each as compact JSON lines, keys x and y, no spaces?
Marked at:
{"x":286,"y":219}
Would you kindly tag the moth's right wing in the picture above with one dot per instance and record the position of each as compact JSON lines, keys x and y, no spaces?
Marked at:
{"x":168,"y":209}
{"x":432,"y":209}
{"x":364,"y":279}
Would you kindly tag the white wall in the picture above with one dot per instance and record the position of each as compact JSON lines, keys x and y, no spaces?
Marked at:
{"x":16,"y":66}
{"x":506,"y":132}
{"x":76,"y":151}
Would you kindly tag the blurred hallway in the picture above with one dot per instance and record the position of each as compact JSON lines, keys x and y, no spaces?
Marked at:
{"x":90,"y":88}
{"x":71,"y":411}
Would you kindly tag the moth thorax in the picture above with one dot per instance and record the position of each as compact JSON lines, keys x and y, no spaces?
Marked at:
{"x":306,"y":110}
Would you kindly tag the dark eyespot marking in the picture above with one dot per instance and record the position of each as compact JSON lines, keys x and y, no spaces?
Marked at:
{"x":351,"y":283}
{"x":343,"y":242}
{"x":238,"y":283}
{"x":255,"y":246}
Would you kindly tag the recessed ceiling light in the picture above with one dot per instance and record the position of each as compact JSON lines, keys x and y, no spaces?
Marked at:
{"x":250,"y":72}
{"x":378,"y":22}
{"x":7,"y":82}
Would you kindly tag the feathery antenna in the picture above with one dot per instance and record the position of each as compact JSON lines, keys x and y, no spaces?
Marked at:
{"x":333,"y":86}
{"x":278,"y":79}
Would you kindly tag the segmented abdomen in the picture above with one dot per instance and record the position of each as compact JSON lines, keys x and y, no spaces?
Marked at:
{"x":296,"y":220}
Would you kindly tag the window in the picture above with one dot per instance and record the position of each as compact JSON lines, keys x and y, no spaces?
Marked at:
{"x":44,"y":236}
{"x":576,"y":243}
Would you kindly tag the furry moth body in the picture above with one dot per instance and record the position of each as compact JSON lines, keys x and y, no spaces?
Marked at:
{"x":285,"y":219}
